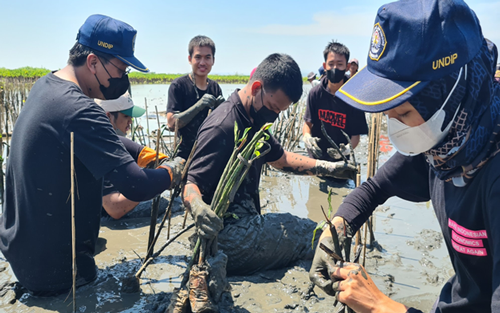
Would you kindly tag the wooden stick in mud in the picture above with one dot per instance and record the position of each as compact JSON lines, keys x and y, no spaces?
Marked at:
{"x":176,"y":193}
{"x":154,"y":210}
{"x":147,"y":121}
{"x":176,"y":132}
{"x":149,"y":260}
{"x":73,"y":231}
{"x":358,"y":183}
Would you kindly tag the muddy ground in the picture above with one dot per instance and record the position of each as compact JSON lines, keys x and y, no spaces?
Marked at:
{"x":411,"y":265}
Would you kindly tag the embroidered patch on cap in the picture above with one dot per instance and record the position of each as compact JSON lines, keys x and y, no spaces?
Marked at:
{"x":378,"y":43}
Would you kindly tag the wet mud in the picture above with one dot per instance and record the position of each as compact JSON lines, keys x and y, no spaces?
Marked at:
{"x":409,"y":262}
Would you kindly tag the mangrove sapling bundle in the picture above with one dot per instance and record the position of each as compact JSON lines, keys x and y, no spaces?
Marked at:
{"x":242,"y":158}
{"x":236,"y":171}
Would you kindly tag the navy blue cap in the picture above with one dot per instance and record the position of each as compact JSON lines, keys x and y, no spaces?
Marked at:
{"x":114,"y":37}
{"x":413,"y":42}
{"x":321,"y":71}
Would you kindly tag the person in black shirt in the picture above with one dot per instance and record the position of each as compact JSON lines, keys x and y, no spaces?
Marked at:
{"x":430,"y":71}
{"x":324,"y":107}
{"x":120,"y":112}
{"x":190,"y":97}
{"x":35,"y":227}
{"x":253,"y":241}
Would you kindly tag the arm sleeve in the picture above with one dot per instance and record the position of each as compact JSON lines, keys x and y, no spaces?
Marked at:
{"x":175,"y":98}
{"x":138,"y":184}
{"x":402,"y":176}
{"x":132,"y":147}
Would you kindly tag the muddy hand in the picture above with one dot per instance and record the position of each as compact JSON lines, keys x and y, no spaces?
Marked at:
{"x":218,"y":101}
{"x":174,"y":168}
{"x":340,"y":169}
{"x":355,"y":288}
{"x":208,"y":224}
{"x":312,"y":145}
{"x":334,"y":153}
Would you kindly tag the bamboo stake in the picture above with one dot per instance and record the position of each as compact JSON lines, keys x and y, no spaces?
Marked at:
{"x":73,"y":231}
{"x":147,"y":121}
{"x":154,"y":210}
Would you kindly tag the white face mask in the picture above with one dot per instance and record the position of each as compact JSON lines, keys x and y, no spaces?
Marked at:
{"x":412,"y":141}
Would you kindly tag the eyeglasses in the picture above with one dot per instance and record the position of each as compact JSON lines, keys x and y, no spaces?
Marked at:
{"x":126,"y":72}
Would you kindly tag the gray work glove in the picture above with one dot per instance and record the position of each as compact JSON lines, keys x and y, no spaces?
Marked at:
{"x":312,"y":145}
{"x":207,"y":101}
{"x":218,"y":101}
{"x":334,"y":153}
{"x":175,"y":168}
{"x":339,"y":170}
{"x":322,"y":267}
{"x":208,"y":224}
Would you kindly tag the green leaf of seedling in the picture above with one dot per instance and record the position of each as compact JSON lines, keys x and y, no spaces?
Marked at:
{"x":266,"y":136}
{"x":318,"y":227}
{"x":259,"y":145}
{"x":231,"y":215}
{"x":236,"y":133}
{"x":256,"y":153}
{"x":267,"y":126}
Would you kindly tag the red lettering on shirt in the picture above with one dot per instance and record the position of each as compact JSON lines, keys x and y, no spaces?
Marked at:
{"x":333,"y":118}
{"x":466,"y":232}
{"x":466,"y":241}
{"x":468,"y":250}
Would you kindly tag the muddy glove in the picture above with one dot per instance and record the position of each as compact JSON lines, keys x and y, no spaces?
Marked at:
{"x":322,"y":267}
{"x":207,"y":101}
{"x":208,"y":224}
{"x":218,"y":101}
{"x":339,"y":170}
{"x":174,"y":168}
{"x":334,"y":153}
{"x":312,"y":145}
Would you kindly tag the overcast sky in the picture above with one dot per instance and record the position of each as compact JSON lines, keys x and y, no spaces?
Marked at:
{"x":40,"y":33}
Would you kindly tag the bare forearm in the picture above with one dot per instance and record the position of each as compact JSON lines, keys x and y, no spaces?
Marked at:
{"x":295,"y":163}
{"x":306,"y":129}
{"x":117,"y":205}
{"x":354,"y":141}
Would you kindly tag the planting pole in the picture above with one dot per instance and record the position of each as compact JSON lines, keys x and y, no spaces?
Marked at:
{"x":154,"y":210}
{"x":147,"y":121}
{"x":73,"y":232}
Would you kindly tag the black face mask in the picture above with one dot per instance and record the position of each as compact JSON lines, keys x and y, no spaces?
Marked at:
{"x":116,"y":88}
{"x":263,"y":115}
{"x":335,"y":76}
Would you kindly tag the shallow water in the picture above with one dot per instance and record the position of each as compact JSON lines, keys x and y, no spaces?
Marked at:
{"x":411,"y":267}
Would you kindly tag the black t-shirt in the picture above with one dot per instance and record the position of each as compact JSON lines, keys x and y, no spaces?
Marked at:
{"x":215,"y":146}
{"x":336,"y":116}
{"x":468,"y":216}
{"x":181,"y":96}
{"x":35,"y":228}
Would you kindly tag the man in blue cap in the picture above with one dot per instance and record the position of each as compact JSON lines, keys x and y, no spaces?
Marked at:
{"x":35,"y":227}
{"x":429,"y":69}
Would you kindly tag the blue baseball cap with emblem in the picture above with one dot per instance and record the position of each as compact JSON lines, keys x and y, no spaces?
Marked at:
{"x":413,"y":42}
{"x":114,"y":37}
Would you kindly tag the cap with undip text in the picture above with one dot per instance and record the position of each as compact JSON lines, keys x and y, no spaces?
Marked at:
{"x":114,"y":37}
{"x":413,"y":42}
